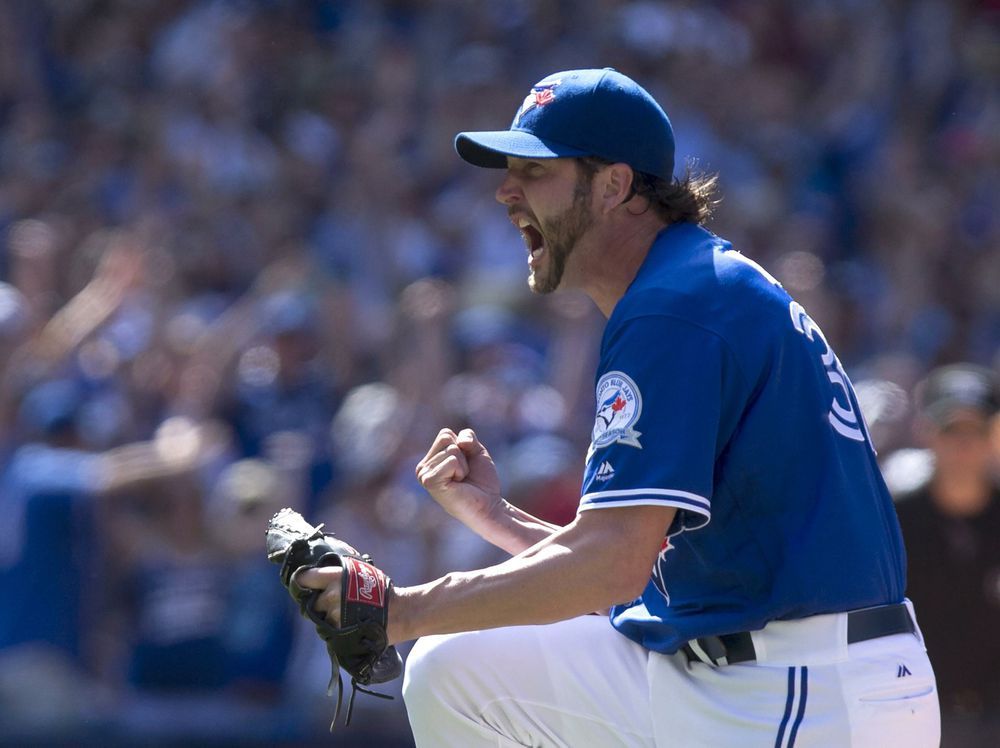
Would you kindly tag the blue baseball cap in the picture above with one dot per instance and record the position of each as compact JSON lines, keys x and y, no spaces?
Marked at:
{"x":581,"y":113}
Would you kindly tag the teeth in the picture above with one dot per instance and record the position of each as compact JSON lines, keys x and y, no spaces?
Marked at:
{"x":528,"y":235}
{"x":537,"y":251}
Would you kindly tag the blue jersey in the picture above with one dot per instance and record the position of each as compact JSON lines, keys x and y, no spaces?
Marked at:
{"x":46,"y":543}
{"x":718,"y":395}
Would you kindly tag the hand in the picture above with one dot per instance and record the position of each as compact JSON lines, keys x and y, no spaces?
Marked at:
{"x":327,"y":580}
{"x":122,"y":267}
{"x":459,"y":473}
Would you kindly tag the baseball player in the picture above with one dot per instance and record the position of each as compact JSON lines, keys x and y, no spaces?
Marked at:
{"x":733,"y":520}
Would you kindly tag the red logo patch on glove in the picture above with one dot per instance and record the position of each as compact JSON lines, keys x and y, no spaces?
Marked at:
{"x":366,"y":583}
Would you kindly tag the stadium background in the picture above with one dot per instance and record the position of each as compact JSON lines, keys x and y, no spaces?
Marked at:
{"x":243,"y":268}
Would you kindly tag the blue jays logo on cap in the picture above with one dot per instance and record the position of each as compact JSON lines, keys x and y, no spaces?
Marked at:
{"x":541,"y":94}
{"x":619,"y":405}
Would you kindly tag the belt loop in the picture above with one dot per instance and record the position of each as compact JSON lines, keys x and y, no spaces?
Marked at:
{"x":695,"y":645}
{"x":716,"y":649}
{"x":913,"y":617}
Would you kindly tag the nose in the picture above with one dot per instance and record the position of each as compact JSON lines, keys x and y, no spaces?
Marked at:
{"x":509,"y":192}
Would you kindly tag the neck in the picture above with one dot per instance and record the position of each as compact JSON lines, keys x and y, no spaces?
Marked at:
{"x":615,"y":257}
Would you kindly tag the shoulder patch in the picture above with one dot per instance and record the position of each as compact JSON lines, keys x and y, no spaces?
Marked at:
{"x":619,"y":405}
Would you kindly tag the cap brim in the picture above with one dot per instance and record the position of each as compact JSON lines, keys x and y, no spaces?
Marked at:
{"x":491,"y":149}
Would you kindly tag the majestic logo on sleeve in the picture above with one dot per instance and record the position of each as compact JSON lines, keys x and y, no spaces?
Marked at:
{"x":605,"y":472}
{"x":619,"y":405}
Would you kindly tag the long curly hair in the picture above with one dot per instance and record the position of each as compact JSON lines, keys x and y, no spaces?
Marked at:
{"x":689,"y":198}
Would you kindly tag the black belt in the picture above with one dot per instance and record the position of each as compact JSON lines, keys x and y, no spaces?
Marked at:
{"x":862,"y":625}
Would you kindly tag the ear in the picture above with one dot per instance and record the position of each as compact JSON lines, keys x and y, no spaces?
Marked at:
{"x":614,"y":186}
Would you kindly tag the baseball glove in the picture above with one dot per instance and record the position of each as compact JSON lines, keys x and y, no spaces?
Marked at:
{"x":359,"y":645}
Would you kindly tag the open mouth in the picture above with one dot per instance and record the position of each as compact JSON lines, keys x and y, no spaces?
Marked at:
{"x":533,"y":239}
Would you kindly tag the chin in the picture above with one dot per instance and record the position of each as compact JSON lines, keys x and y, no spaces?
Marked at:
{"x":539,"y":288}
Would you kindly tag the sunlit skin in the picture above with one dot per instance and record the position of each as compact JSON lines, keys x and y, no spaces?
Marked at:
{"x":534,"y":192}
{"x":586,"y":234}
{"x":594,"y":236}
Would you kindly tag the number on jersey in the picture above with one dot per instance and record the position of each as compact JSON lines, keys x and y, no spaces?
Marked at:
{"x":843,"y":417}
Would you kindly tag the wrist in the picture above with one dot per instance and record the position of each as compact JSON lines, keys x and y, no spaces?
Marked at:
{"x":480,"y":517}
{"x":497,"y":513}
{"x":493,"y":522}
{"x":396,"y":628}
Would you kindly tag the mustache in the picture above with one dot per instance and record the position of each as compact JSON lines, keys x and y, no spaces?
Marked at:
{"x":513,"y":213}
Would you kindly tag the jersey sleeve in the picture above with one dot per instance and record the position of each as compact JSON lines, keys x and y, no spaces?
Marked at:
{"x":40,"y":469}
{"x":669,"y":394}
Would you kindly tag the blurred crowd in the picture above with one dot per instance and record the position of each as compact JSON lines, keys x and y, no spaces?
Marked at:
{"x":243,"y":269}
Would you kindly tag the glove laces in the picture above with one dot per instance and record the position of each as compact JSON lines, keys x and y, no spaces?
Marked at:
{"x":355,"y":687}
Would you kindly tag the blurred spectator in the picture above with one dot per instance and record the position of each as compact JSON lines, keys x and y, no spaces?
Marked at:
{"x":543,"y":476}
{"x":53,"y":494}
{"x":206,"y":634}
{"x":282,"y":385}
{"x":176,"y":583}
{"x":259,"y":636}
{"x":951,"y":526}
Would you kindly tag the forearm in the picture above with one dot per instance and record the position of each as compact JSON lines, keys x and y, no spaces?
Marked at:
{"x":512,"y":529}
{"x":175,"y":452}
{"x":124,"y":467}
{"x":573,"y":571}
{"x":83,"y":314}
{"x":481,"y":599}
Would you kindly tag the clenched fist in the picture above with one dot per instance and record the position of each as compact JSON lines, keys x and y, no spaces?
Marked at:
{"x":459,"y":473}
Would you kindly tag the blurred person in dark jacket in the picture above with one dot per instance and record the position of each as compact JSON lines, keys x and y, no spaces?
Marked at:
{"x":951,"y":524}
{"x":54,"y":495}
{"x":205,"y":634}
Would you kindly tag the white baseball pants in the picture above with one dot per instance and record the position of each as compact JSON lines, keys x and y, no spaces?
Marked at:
{"x":580,"y":684}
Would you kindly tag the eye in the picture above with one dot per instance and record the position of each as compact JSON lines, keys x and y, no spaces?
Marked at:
{"x":527,"y":168}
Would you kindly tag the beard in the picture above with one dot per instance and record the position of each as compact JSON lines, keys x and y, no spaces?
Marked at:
{"x":562,"y":234}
